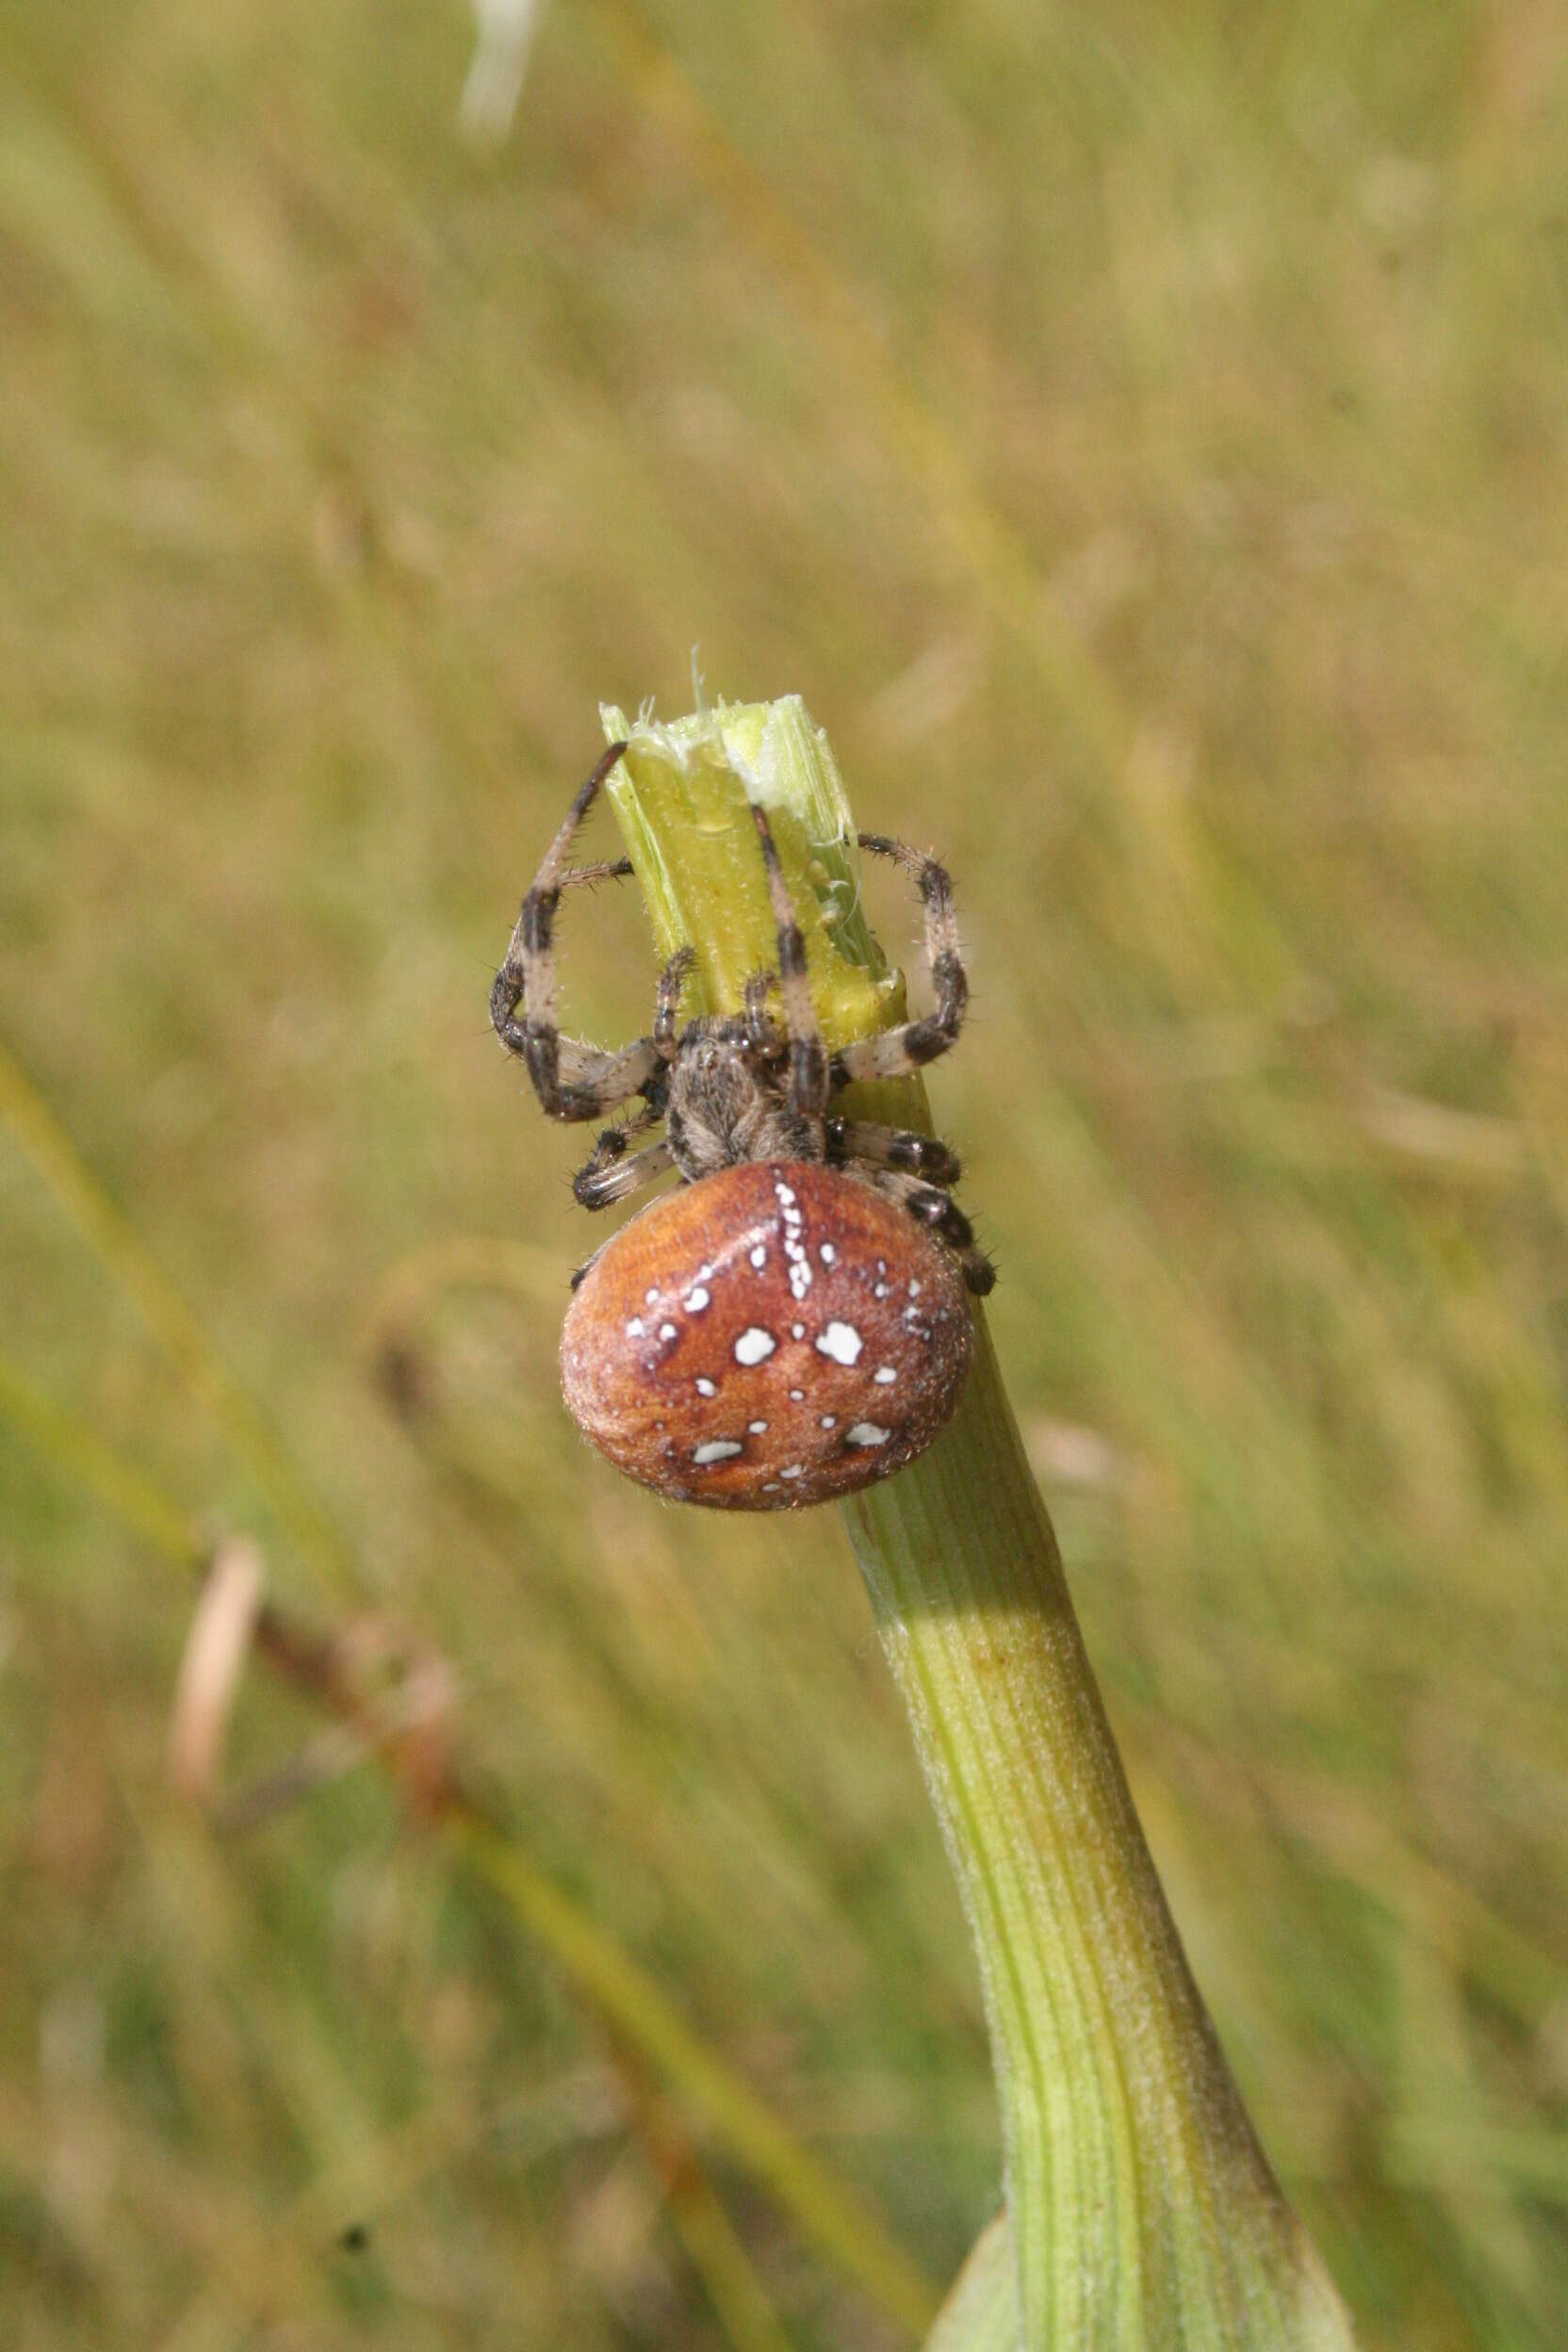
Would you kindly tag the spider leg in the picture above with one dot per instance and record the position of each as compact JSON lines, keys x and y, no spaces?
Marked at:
{"x":896,"y":1052}
{"x":671,"y":981}
{"x":610,"y":1150}
{"x":579,"y":1273}
{"x":606,"y":869}
{"x":610,"y":1176}
{"x":763,"y":1033}
{"x":808,"y":1087}
{"x":892,"y":1147}
{"x":572,"y":1079}
{"x":930,"y":1208}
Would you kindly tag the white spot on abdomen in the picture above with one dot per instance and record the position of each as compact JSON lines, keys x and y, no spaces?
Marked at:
{"x":667,"y":1330}
{"x":759,"y":1255}
{"x":716,"y":1449}
{"x":794,"y":1248}
{"x":867,"y":1433}
{"x":885,"y":1375}
{"x":706,"y":1388}
{"x":695,"y":1300}
{"x":840,"y":1341}
{"x":755,"y":1345}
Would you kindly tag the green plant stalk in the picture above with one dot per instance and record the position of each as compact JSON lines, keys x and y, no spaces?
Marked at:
{"x":1141,"y":2211}
{"x":676,"y":794}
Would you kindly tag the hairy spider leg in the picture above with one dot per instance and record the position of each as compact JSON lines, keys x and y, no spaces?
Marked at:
{"x":573,"y":1079}
{"x":937,"y":1163}
{"x":933,"y":1208}
{"x":894,"y":1053}
{"x":671,"y":981}
{"x":763,"y":1033}
{"x":809,"y":1070}
{"x":610,"y":1176}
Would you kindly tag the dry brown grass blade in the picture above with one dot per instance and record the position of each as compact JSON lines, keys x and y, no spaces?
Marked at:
{"x":208,"y":1681}
{"x":729,"y":2277}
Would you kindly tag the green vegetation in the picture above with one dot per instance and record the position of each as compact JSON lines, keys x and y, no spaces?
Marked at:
{"x":1142,"y":2210}
{"x":1141,"y":439}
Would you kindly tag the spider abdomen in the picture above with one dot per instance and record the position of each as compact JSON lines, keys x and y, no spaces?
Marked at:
{"x":776,"y":1335}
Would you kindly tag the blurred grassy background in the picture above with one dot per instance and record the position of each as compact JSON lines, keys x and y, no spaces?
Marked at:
{"x":1142,"y":436}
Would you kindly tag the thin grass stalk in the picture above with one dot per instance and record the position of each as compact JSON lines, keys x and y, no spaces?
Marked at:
{"x":697,"y":2212}
{"x":115,"y":1241}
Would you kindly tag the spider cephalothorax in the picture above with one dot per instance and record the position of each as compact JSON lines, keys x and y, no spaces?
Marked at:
{"x":730,"y":1090}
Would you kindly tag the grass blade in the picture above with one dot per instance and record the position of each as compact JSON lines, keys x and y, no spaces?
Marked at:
{"x":115,"y":1241}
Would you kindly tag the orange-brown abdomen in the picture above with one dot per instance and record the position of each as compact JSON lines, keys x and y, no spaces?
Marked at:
{"x":776,"y":1335}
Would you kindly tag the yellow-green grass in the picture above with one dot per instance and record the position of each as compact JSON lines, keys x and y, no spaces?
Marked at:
{"x":1141,"y":440}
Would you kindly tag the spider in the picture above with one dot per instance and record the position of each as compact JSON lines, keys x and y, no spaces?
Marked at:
{"x":732,"y":1089}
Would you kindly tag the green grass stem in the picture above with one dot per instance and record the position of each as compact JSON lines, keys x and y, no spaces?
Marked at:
{"x":1142,"y":2211}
